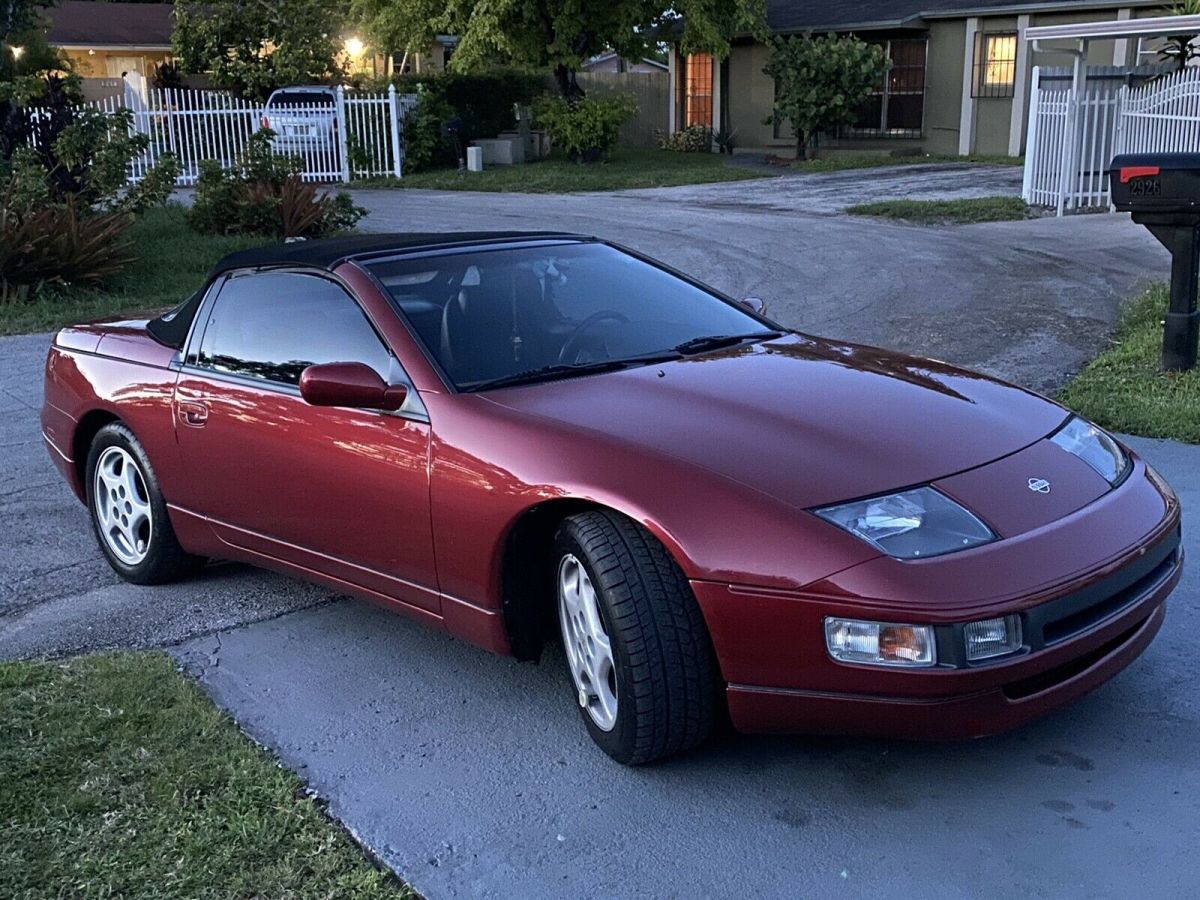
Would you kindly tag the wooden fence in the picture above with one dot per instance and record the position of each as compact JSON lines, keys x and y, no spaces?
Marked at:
{"x":651,"y":90}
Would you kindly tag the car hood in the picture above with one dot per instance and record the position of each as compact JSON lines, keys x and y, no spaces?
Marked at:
{"x":807,"y":420}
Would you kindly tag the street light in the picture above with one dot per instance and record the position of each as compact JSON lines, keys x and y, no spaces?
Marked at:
{"x":17,"y":52}
{"x":354,"y":47}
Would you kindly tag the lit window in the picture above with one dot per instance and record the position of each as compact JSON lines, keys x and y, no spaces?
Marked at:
{"x":995,"y":64}
{"x":697,"y":91}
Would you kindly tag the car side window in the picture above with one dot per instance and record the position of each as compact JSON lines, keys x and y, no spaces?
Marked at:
{"x":272,"y":325}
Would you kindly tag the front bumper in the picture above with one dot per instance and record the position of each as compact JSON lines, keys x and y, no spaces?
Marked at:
{"x":1078,"y":634}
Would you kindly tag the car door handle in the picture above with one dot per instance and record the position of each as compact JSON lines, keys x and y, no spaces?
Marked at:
{"x":194,"y":414}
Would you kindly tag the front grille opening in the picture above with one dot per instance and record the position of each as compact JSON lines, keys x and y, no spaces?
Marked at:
{"x":1027,"y":687}
{"x":1066,"y":627}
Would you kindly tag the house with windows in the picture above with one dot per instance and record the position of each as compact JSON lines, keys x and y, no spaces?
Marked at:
{"x":110,"y":40}
{"x":959,"y":80}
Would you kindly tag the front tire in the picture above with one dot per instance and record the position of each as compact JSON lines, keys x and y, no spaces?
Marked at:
{"x":129,"y":514}
{"x":638,"y":654}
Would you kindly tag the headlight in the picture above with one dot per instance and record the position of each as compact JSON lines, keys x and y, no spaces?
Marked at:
{"x":880,"y":643}
{"x":912,"y":524}
{"x":1094,"y":447}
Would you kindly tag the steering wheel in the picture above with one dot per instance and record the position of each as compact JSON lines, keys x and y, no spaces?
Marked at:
{"x":570,"y":349}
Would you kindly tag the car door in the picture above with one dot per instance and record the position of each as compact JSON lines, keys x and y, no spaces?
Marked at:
{"x":343,"y":492}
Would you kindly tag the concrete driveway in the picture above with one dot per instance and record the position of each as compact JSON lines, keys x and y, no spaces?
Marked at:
{"x":472,"y":775}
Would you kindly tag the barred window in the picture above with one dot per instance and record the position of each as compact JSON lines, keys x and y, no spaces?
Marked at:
{"x":897,"y":105}
{"x":698,"y":96}
{"x":995,"y":64}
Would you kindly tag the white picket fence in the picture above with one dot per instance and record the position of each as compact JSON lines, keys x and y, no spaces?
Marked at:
{"x":1071,"y":140}
{"x":360,"y":136}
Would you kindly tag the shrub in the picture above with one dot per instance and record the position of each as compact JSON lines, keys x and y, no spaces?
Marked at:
{"x":168,"y":75}
{"x":264,"y":194}
{"x":483,"y":102}
{"x":57,"y":244}
{"x":693,"y":139}
{"x":821,"y":83}
{"x":81,"y":152}
{"x":587,"y":128}
{"x":424,"y":145}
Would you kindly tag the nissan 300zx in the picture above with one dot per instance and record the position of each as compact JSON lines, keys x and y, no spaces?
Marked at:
{"x":537,"y":438}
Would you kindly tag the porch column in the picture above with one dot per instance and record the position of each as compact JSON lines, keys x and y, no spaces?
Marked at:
{"x":966,"y":119}
{"x":1121,"y":45}
{"x":672,"y":78}
{"x":1016,"y":126}
{"x":716,"y":94}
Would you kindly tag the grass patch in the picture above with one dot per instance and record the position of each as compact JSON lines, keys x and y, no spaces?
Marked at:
{"x":626,"y":169}
{"x":947,"y":212}
{"x":172,"y":262}
{"x":121,"y":779}
{"x":866,"y":161}
{"x":1123,"y":389}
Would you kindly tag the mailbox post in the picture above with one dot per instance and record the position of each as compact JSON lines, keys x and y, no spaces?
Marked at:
{"x":1162,"y":192}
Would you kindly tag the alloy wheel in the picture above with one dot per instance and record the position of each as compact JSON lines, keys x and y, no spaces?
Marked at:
{"x":122,"y":506}
{"x":587,"y":644}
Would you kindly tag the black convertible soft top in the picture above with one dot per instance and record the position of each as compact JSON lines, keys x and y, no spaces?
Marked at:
{"x":330,"y":252}
{"x":172,"y":327}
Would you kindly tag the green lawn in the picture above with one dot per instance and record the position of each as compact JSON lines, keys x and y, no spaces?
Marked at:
{"x":626,"y":169}
{"x":172,"y":262}
{"x":119,"y":778}
{"x":876,"y":161}
{"x":1123,"y":388}
{"x":946,"y":212}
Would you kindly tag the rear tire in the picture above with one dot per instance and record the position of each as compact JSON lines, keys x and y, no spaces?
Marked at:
{"x":638,"y":653}
{"x":129,"y":514}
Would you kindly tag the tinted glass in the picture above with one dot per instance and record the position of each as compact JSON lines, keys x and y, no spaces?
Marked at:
{"x":301,"y":98}
{"x":495,"y":314}
{"x":272,"y":325}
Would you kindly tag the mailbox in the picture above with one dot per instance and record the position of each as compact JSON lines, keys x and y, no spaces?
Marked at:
{"x":1157,"y":183}
{"x":1162,"y":192}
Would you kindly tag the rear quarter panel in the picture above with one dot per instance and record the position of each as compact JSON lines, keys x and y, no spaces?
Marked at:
{"x":83,"y":384}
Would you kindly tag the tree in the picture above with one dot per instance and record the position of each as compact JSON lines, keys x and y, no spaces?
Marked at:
{"x":251,"y":47}
{"x":21,"y":26}
{"x":821,"y":83}
{"x":1182,"y":48}
{"x":19,"y":15}
{"x":561,"y":34}
{"x":409,"y":26}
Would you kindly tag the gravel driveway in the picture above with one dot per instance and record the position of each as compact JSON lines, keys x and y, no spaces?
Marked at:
{"x":470,"y":773}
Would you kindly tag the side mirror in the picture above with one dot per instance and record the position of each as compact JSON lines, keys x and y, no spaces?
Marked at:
{"x":755,"y":305}
{"x":350,"y":384}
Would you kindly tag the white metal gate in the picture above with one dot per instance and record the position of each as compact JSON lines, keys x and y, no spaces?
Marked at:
{"x":1072,"y":139}
{"x":1163,"y":116}
{"x":360,"y":136}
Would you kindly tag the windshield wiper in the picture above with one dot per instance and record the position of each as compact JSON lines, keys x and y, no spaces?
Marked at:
{"x":568,"y":370}
{"x":718,"y":341}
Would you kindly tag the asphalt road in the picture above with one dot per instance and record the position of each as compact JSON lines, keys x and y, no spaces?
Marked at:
{"x":57,"y":594}
{"x":472,"y":775}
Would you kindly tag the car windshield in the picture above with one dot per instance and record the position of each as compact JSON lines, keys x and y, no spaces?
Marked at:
{"x":301,"y":98}
{"x":553,"y":310}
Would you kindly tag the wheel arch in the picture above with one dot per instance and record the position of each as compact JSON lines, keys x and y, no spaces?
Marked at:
{"x":81,"y":441}
{"x":526,"y":590}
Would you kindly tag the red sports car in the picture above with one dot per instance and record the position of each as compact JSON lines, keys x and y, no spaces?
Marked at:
{"x":527,"y":437}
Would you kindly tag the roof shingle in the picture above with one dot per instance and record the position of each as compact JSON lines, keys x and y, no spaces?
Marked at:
{"x":91,"y":24}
